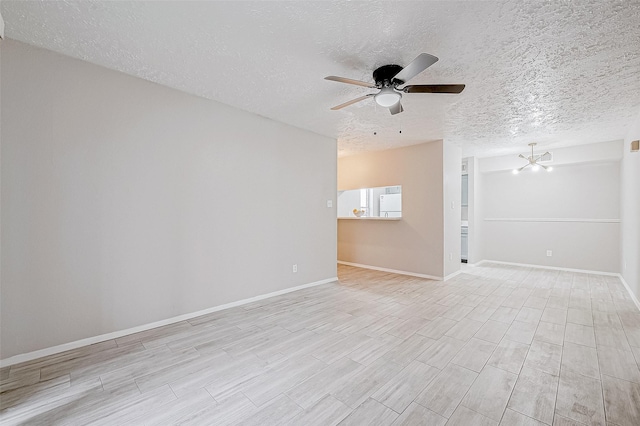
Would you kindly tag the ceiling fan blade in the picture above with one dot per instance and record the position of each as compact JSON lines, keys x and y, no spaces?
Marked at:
{"x":350,"y":81}
{"x":434,"y":88}
{"x":396,"y":109}
{"x":419,"y":64}
{"x":352,"y":101}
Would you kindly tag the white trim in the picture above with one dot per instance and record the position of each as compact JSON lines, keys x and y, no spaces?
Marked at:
{"x":555,"y":268}
{"x":550,"y":219}
{"x":448,"y":277}
{"x":393,"y":271}
{"x":16,"y":359}
{"x":633,"y":296}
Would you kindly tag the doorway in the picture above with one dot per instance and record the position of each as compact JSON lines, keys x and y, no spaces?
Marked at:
{"x":464,"y":211}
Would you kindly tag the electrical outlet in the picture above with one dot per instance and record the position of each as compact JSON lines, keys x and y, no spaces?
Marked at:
{"x":295,"y":268}
{"x":329,"y":203}
{"x":450,"y":256}
{"x":549,"y":253}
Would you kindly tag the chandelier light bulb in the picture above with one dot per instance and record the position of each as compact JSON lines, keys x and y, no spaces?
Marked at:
{"x":549,"y":168}
{"x":515,"y":171}
{"x":535,"y":168}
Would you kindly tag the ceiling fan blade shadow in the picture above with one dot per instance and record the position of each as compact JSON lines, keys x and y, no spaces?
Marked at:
{"x":434,"y":88}
{"x":351,"y":102}
{"x":350,"y":81}
{"x":396,"y":109}
{"x":419,"y":64}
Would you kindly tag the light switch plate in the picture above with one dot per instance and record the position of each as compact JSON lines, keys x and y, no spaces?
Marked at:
{"x":329,"y":203}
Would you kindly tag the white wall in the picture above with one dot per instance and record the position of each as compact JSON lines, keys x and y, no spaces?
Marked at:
{"x":630,"y":212}
{"x":347,"y":201}
{"x":573,"y":211}
{"x":125,"y":202}
{"x":452,"y":183}
{"x":415,"y":243}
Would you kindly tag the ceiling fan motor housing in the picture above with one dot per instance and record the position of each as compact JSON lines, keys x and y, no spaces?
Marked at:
{"x":383,"y":76}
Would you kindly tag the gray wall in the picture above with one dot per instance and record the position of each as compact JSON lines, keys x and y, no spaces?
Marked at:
{"x":569,"y":205}
{"x":125,"y":202}
{"x":416,"y":242}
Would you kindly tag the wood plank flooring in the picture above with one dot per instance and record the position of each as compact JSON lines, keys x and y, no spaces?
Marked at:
{"x":496,"y":345}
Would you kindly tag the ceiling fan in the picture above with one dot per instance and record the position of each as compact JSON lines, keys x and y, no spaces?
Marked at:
{"x":533,"y":161}
{"x":388,"y":78}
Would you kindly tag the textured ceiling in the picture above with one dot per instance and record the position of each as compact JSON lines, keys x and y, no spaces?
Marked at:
{"x":556,"y":72}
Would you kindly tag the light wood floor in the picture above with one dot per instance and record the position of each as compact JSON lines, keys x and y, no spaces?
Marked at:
{"x":495,"y":345}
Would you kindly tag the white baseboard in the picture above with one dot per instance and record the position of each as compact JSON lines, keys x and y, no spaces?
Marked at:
{"x":555,"y":268}
{"x":393,"y":271}
{"x":633,"y":296}
{"x":30,"y":356}
{"x":448,"y":277}
{"x":584,"y":271}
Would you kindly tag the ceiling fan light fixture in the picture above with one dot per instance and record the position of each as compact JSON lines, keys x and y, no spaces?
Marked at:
{"x":387,"y":97}
{"x":388,"y":77}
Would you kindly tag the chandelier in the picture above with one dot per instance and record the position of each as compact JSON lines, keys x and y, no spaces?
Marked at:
{"x":533,"y":161}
